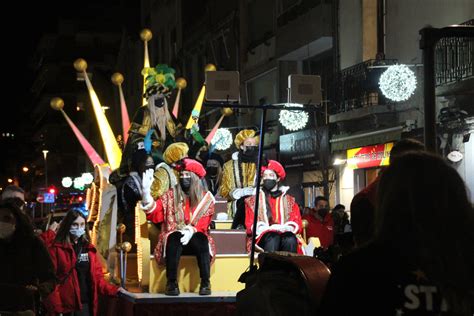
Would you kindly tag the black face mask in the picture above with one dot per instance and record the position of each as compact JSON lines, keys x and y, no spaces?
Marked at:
{"x":159,"y":102}
{"x":250,"y":154}
{"x":323,"y":212}
{"x":269,"y":184}
{"x":185,"y":183}
{"x":212,"y":171}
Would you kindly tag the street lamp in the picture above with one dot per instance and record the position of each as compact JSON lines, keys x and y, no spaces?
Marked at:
{"x":25,"y":169}
{"x":45,"y":155}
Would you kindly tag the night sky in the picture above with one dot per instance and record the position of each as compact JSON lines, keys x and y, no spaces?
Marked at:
{"x":20,"y":37}
{"x":19,"y":40}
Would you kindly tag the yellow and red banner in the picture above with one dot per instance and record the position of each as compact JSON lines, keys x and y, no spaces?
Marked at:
{"x":369,"y":156}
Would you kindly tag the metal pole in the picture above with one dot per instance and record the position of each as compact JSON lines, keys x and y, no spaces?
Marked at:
{"x":122,"y":269}
{"x":257,"y":194}
{"x":427,"y":44}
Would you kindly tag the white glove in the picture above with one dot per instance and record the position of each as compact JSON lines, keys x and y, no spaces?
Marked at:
{"x":287,"y":228}
{"x":277,"y":227}
{"x":147,"y":180}
{"x":238,"y":193}
{"x":261,"y":227}
{"x":187,"y":233}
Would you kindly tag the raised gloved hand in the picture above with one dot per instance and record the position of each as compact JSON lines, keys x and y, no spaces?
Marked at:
{"x":187,"y":233}
{"x":261,"y":227}
{"x":147,"y":180}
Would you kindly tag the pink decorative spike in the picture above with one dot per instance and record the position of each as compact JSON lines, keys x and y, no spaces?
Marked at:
{"x":176,"y":104}
{"x":214,"y":130}
{"x":125,"y":118}
{"x":90,"y":151}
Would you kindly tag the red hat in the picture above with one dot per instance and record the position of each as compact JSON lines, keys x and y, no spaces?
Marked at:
{"x":194,"y":166}
{"x":276,"y":167}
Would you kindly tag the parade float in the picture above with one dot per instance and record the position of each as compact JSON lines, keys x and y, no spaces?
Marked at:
{"x":128,"y":248}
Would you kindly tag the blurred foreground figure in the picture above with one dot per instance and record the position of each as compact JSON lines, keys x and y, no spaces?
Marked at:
{"x":417,"y":263}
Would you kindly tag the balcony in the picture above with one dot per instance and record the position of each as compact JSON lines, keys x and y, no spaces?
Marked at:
{"x":454,"y":60}
{"x":358,"y":85}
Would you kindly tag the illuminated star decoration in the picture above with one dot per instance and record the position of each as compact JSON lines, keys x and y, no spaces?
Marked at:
{"x":222,"y":140}
{"x":293,"y":120}
{"x":397,"y":83}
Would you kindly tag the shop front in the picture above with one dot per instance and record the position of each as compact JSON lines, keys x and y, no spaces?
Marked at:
{"x":362,"y":166}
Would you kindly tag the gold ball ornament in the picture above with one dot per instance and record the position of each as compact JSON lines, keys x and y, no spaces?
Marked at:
{"x":146,"y":35}
{"x":227,"y":111}
{"x":80,"y":64}
{"x":117,"y":78}
{"x":126,"y":246}
{"x":57,"y":104}
{"x":121,"y":228}
{"x":305,"y":223}
{"x":210,"y":67}
{"x":181,"y":83}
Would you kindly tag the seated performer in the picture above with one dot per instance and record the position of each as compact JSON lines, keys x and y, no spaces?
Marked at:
{"x":279,"y":218}
{"x":185,"y":212}
{"x":238,"y":175}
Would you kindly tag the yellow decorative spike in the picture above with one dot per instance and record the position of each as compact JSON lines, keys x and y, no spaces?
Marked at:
{"x":112,"y":150}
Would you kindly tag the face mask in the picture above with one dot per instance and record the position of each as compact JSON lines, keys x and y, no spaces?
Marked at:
{"x":159,"y":102}
{"x":77,"y":232}
{"x":6,"y":230}
{"x":269,"y":184}
{"x":251,"y":151}
{"x":185,"y":183}
{"x":323,"y":212}
{"x":250,"y":154}
{"x":212,"y":171}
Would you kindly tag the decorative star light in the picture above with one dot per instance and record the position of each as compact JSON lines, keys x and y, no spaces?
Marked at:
{"x":66,"y":182}
{"x":397,"y":83}
{"x":293,"y":120}
{"x":222,"y":140}
{"x":87,"y":178}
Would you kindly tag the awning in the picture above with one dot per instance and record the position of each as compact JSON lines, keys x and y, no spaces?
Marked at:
{"x":364,"y":139}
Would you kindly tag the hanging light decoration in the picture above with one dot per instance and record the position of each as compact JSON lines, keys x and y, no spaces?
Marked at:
{"x":293,"y":120}
{"x":222,"y":140}
{"x":397,"y":83}
{"x":66,"y":182}
{"x":87,"y":178}
{"x":78,"y":183}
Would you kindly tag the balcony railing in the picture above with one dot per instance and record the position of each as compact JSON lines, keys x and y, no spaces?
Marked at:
{"x":358,"y":85}
{"x":454,"y":58}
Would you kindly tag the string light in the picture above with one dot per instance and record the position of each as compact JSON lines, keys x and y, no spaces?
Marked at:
{"x":293,"y":120}
{"x":222,"y":140}
{"x":79,"y":183}
{"x":87,"y":178}
{"x":397,"y":83}
{"x":66,"y":182}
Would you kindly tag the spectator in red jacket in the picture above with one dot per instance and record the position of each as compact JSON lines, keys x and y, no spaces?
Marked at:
{"x":78,"y":270}
{"x":320,"y":222}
